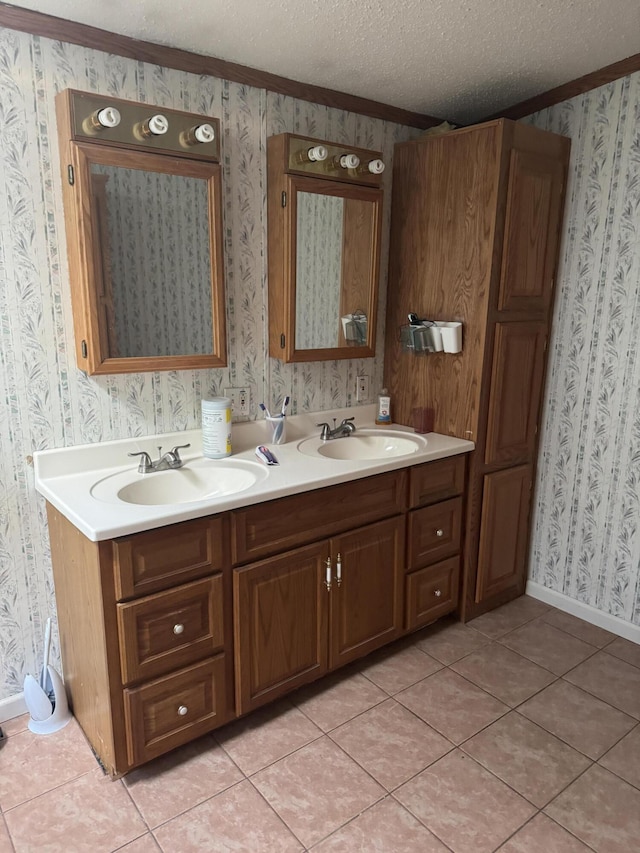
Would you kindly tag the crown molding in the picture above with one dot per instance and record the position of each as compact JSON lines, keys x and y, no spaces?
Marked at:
{"x":48,"y":26}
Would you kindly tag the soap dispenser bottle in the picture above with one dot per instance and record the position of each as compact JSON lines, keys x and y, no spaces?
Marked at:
{"x":383,"y":412}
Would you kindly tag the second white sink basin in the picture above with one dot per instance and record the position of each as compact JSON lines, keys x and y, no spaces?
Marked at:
{"x":197,"y":480}
{"x":365,"y":445}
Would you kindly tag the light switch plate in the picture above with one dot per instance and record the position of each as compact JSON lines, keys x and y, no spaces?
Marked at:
{"x":240,"y":401}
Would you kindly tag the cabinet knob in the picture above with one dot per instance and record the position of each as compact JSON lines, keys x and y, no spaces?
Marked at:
{"x":437,"y":593}
{"x":178,"y":629}
{"x":183,"y":710}
{"x":439,"y":532}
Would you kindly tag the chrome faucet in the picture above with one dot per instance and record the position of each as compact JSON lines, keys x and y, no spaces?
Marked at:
{"x":346,"y":428}
{"x":165,"y":462}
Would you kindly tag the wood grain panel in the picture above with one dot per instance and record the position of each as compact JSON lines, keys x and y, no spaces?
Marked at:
{"x":516,"y":392}
{"x":445,"y":196}
{"x":280,"y":622}
{"x":173,"y":710}
{"x":433,"y":533}
{"x":504,"y":532}
{"x":170,"y":629}
{"x":366,"y":605}
{"x":88,"y":638}
{"x":157,"y":559}
{"x":435,"y":481}
{"x":531,"y":232}
{"x":264,"y":529}
{"x":431,"y":593}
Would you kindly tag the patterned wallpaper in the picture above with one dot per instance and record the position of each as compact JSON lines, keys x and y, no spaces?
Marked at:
{"x":586,"y":541}
{"x":45,"y":400}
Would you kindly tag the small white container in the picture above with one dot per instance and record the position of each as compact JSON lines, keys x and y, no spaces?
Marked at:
{"x":216,"y":427}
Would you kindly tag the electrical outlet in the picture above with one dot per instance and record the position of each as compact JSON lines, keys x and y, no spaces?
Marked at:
{"x":240,"y":401}
{"x":362,"y":388}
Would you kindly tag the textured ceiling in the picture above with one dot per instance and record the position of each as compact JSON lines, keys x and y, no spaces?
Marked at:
{"x":455,"y":59}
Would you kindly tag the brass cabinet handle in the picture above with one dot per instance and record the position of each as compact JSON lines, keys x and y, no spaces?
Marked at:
{"x":183,"y":710}
{"x":339,"y":569}
{"x":439,"y":532}
{"x":327,"y":576}
{"x":178,"y":628}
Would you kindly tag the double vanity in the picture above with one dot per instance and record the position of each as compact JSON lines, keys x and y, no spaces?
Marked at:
{"x":189,"y":597}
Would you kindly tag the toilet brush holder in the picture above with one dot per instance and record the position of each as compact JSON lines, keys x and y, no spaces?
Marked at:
{"x":47,"y":714}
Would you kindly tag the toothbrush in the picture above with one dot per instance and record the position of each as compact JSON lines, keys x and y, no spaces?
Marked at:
{"x":265,"y":410}
{"x":285,"y":403}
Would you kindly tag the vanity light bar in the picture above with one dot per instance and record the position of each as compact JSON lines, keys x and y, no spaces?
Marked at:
{"x":113,"y":121}
{"x":332,"y":161}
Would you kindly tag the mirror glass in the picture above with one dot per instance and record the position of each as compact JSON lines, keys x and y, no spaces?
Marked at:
{"x":155,"y":262}
{"x":335,"y":248}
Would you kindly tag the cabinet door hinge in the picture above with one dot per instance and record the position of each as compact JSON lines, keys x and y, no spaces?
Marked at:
{"x":83,"y":349}
{"x":283,"y":198}
{"x":282,"y":339}
{"x":70,"y":175}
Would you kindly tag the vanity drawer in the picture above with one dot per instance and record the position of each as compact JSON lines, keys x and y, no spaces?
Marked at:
{"x":435,"y":481}
{"x":432,"y":592}
{"x":267,"y":528}
{"x":171,"y":629}
{"x":434,"y":533}
{"x":174,"y":710}
{"x":161,"y":558}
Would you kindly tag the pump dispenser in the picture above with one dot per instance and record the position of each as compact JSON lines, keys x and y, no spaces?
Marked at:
{"x":383,"y":412}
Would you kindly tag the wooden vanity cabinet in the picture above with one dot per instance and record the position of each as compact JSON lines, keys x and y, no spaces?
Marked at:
{"x":475,"y":227}
{"x":162,"y":630}
{"x":313,"y":609}
{"x":146,"y":637}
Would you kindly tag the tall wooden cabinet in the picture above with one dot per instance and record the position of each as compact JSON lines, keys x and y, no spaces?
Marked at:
{"x":476,"y":220}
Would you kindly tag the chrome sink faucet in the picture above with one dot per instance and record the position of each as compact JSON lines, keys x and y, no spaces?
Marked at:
{"x":169,"y":461}
{"x":346,"y":428}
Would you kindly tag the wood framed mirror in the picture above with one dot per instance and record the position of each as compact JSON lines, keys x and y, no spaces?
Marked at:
{"x":324,"y":239}
{"x":144,"y":233}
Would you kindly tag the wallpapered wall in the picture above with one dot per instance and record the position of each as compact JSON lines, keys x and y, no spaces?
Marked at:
{"x":586,"y":541}
{"x":44,"y":400}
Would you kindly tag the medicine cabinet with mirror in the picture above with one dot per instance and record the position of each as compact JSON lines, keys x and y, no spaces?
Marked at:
{"x":143,"y":211}
{"x":324,"y":221}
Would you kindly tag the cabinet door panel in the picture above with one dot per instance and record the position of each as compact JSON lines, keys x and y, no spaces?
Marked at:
{"x":170,"y":629}
{"x":159,"y":559}
{"x":175,"y":709}
{"x":280,"y":624}
{"x":436,"y":481}
{"x":433,"y":533}
{"x":531,"y":232}
{"x":504,"y":529}
{"x":366,"y":599}
{"x":432,"y":592}
{"x":516,"y":390}
{"x":264,"y":529}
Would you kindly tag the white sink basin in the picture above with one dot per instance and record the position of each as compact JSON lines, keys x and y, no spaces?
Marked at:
{"x":365,"y":445}
{"x":199,"y":479}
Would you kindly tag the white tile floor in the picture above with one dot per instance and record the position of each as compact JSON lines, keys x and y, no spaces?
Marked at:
{"x":518,"y":732}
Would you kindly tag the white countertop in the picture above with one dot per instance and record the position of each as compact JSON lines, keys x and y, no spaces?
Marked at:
{"x":66,"y":477}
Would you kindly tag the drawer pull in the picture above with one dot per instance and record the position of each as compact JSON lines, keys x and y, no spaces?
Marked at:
{"x":183,"y":710}
{"x":178,"y":629}
{"x":439,"y":532}
{"x":339,"y":569}
{"x":327,"y":581}
{"x":437,"y":593}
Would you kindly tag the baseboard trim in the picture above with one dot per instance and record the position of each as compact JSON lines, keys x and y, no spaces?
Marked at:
{"x":584,"y":611}
{"x":12,"y":707}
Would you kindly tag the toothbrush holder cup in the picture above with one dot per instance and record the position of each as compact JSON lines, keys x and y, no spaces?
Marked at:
{"x":276,"y":429}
